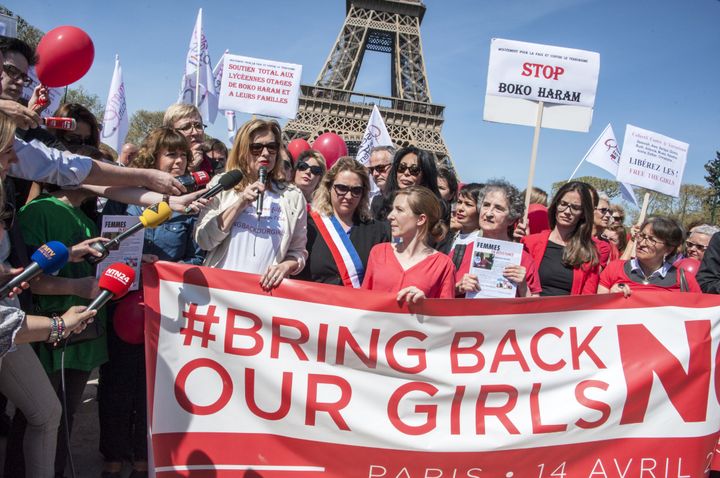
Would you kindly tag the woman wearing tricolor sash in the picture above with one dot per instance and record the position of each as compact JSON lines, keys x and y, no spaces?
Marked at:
{"x":340,"y":229}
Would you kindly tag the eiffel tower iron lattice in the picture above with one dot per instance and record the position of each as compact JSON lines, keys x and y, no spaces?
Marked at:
{"x":332,"y":105}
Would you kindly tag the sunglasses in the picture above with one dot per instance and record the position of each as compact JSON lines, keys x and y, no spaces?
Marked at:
{"x":699,"y":247}
{"x":343,"y":189}
{"x":603,"y":210}
{"x":197,"y":126}
{"x":379,"y":169}
{"x":15,"y":74}
{"x":75,"y":140}
{"x":413,"y":169}
{"x":256,"y":149}
{"x":316,"y":170}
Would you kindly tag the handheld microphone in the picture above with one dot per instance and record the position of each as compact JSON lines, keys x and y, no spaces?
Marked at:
{"x":115,"y":282}
{"x":48,"y":259}
{"x":59,"y":122}
{"x":227,"y":181}
{"x":262,"y":177}
{"x":194,"y":181}
{"x":151,"y":217}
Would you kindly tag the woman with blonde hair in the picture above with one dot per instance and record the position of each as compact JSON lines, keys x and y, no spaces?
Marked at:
{"x":340,"y":229}
{"x":269,"y":242}
{"x":409,"y":266}
{"x":309,"y":169}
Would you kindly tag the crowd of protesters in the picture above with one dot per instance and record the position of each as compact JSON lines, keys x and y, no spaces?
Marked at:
{"x":403,"y":224}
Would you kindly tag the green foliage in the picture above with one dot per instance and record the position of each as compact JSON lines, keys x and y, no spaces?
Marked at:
{"x":141,"y":123}
{"x":608,"y":186}
{"x":713,"y":179}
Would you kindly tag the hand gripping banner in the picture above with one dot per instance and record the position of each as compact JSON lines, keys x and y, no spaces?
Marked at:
{"x":313,"y":380}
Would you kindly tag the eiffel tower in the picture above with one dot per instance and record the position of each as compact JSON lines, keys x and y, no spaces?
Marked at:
{"x":332,"y":105}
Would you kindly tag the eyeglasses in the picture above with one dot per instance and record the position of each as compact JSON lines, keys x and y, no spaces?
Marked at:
{"x":257,"y":148}
{"x":699,"y":247}
{"x":76,"y":140}
{"x":562,"y":205}
{"x":379,"y":169}
{"x":304,"y":166}
{"x":413,"y":169}
{"x":642,"y":237}
{"x":196,"y":125}
{"x":619,"y":218}
{"x":16,"y":74}
{"x":603,"y":210}
{"x":343,"y":189}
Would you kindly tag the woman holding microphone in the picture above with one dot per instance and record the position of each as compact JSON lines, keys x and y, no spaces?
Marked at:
{"x":271,"y":241}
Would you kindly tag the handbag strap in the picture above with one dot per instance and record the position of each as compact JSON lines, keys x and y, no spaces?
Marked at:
{"x":683,"y":282}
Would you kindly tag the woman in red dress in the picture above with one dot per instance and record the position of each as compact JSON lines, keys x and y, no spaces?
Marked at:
{"x":408,"y":265}
{"x":652,"y":268}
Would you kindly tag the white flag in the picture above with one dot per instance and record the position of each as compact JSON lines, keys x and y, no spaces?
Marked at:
{"x":606,"y":154}
{"x":115,"y":120}
{"x":197,"y":86}
{"x":376,"y":134}
{"x":217,"y":74}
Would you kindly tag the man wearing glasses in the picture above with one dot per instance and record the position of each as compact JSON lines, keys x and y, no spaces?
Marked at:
{"x":697,"y":242}
{"x":379,"y":165}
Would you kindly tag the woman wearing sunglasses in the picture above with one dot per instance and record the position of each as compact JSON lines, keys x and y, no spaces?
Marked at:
{"x":340,"y":229}
{"x":411,"y":166}
{"x":87,"y":131}
{"x":309,"y":169}
{"x":652,"y":268}
{"x":409,"y":266}
{"x":566,"y":255}
{"x":269,"y":242}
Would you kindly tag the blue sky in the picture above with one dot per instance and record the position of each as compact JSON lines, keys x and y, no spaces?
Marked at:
{"x":659,"y":65}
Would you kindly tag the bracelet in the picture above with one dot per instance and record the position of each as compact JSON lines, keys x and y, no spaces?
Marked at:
{"x":61,"y":327}
{"x":166,"y":198}
{"x":54,"y":337}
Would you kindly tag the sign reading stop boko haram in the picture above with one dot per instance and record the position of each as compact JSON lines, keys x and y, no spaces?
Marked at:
{"x":542,"y":73}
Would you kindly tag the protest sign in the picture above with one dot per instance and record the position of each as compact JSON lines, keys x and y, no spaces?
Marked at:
{"x":652,"y":161}
{"x":318,"y":380}
{"x":263,"y":87}
{"x":521,"y":74}
{"x":490,"y":257}
{"x":128,"y":251}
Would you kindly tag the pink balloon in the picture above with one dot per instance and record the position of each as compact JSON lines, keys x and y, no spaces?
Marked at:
{"x":297,"y":146}
{"x":689,"y":265}
{"x":332,"y":147}
{"x":129,"y":318}
{"x":65,"y":54}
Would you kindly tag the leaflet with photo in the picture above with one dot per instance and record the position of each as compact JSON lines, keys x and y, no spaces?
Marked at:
{"x":129,"y":251}
{"x":489,"y":260}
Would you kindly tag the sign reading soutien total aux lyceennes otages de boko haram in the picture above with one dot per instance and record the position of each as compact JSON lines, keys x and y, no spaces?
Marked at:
{"x":521,"y":74}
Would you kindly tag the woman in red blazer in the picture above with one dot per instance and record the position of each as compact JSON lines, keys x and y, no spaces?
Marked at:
{"x":566,"y":255}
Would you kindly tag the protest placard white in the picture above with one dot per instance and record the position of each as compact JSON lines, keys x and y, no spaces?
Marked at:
{"x":128,"y":251}
{"x":490,"y":257}
{"x":652,"y":161}
{"x":257,"y":86}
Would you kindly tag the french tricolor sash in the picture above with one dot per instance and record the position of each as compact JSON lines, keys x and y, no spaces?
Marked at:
{"x":346,"y":258}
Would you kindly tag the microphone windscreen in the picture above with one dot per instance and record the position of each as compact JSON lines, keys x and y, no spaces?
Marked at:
{"x":156,"y":214}
{"x":51,"y":257}
{"x":230,"y":179}
{"x":201,"y":178}
{"x":117,"y":279}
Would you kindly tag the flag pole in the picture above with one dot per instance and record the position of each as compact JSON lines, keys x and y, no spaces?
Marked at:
{"x":533,"y":158}
{"x":576,"y":169}
{"x":198,"y":39}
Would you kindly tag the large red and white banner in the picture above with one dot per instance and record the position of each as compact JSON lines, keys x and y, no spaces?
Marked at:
{"x":316,"y":380}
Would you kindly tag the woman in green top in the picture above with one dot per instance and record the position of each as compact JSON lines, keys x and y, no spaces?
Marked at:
{"x":59,"y":215}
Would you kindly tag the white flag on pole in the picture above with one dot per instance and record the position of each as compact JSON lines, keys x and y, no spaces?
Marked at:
{"x":115,"y":120}
{"x":198,"y":86}
{"x":605,"y":153}
{"x":376,"y":134}
{"x":217,"y":74}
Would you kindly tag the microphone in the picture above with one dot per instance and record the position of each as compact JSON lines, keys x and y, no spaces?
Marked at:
{"x":59,"y":122}
{"x":262,"y":177}
{"x":151,"y":217}
{"x":115,"y":282}
{"x":194,"y":181}
{"x":48,"y":259}
{"x":227,"y":181}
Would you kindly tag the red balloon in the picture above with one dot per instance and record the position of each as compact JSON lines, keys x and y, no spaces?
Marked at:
{"x":65,"y":54}
{"x":331,"y":146}
{"x":129,"y":318}
{"x":297,"y":146}
{"x":689,"y":265}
